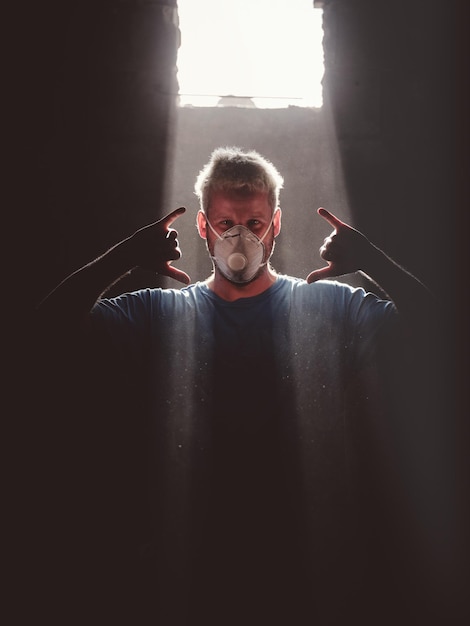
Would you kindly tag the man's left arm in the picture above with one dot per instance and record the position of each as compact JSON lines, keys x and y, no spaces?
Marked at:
{"x":347,"y":250}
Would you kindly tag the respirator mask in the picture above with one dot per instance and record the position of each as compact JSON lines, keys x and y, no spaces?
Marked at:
{"x":239,"y":253}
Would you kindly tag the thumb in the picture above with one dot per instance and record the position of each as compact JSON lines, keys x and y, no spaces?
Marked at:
{"x":324,"y":272}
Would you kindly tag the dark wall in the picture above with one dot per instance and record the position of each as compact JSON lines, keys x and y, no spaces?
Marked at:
{"x":392,"y":81}
{"x":91,"y":95}
{"x":396,"y":83}
{"x":95,"y":85}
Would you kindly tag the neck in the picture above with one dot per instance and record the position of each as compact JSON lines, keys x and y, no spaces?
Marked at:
{"x":229,"y":291}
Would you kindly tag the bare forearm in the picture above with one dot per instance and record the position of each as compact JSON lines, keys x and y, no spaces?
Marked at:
{"x":153,"y":247}
{"x":347,"y":250}
{"x":72,"y":300}
{"x":404,"y":289}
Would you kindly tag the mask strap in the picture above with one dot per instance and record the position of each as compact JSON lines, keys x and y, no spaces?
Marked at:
{"x":213,"y":229}
{"x":270,"y":224}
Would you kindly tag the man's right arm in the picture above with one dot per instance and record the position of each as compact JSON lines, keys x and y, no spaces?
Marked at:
{"x":153,"y":247}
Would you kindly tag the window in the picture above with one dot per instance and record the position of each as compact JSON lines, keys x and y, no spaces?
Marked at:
{"x":263,"y":53}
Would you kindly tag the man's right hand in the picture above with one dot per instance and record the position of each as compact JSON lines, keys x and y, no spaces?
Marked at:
{"x":155,"y":246}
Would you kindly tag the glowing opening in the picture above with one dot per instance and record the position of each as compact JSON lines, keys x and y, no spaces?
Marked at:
{"x":255,"y":53}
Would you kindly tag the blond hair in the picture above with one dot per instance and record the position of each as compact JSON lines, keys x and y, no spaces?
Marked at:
{"x":233,"y":169}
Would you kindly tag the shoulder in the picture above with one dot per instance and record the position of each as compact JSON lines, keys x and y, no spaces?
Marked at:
{"x":320,"y":290}
{"x":150,"y":302}
{"x":332,"y":296}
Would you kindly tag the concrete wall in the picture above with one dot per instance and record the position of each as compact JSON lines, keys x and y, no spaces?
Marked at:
{"x":390,"y":82}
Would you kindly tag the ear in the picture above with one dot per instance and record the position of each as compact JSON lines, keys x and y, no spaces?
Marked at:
{"x":201,"y":224}
{"x":277,"y":221}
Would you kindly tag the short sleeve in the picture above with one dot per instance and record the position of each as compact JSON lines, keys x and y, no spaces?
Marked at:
{"x":123,"y":323}
{"x":370,"y":320}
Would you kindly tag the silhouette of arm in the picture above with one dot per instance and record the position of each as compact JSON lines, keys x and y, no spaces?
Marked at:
{"x":153,"y":247}
{"x":347,"y":250}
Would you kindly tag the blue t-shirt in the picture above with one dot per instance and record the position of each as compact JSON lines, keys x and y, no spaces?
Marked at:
{"x":286,"y":354}
{"x":310,"y":337}
{"x":247,"y":410}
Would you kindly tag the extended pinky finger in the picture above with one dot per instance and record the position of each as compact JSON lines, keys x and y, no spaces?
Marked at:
{"x":324,"y":272}
{"x":179,"y":275}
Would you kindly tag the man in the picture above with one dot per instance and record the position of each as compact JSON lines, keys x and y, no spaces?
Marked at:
{"x":252,"y":383}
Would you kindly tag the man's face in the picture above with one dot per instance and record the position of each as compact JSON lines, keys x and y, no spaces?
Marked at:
{"x":252,"y":210}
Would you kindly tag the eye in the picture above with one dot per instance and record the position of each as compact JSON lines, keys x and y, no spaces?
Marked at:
{"x":225,"y":223}
{"x":253,"y":224}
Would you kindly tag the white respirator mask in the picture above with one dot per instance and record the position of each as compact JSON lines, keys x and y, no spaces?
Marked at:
{"x":239,"y":253}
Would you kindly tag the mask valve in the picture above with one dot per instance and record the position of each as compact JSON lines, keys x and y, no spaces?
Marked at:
{"x":237,"y":261}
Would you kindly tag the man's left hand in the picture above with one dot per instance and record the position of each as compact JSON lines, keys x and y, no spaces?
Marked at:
{"x":346,"y":250}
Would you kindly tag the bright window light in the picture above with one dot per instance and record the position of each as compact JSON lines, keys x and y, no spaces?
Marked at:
{"x":263,"y":53}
